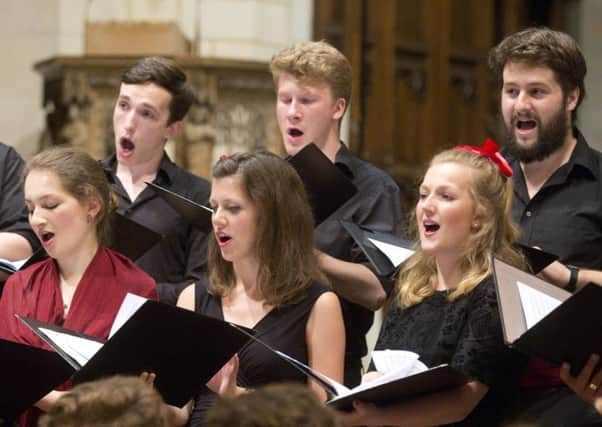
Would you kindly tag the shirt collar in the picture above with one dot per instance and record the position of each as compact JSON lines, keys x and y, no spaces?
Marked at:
{"x":165,"y":175}
{"x":345,"y":162}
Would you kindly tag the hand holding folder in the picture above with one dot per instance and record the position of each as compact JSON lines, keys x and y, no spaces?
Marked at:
{"x":184,"y":349}
{"x":408,"y":381}
{"x":546,"y":321}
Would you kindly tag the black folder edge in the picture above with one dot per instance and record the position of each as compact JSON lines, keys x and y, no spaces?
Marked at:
{"x":41,"y":370}
{"x":381,"y":263}
{"x":326,"y":185}
{"x":301,"y":367}
{"x":36,"y":325}
{"x":570,"y":333}
{"x":131,"y":238}
{"x":436,"y":379}
{"x":182,"y":363}
{"x":195,"y":214}
{"x":433,"y":380}
{"x":537,"y":259}
{"x":6,"y":271}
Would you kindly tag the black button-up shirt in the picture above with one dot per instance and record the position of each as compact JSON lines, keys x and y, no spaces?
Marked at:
{"x":565,"y":216}
{"x":180,"y":257}
{"x":377,"y":206}
{"x":13,"y":212}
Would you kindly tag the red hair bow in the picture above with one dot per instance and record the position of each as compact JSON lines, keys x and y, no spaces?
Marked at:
{"x":492,"y":152}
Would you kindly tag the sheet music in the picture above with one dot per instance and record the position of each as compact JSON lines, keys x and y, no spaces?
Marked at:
{"x":13,"y":265}
{"x":80,"y":349}
{"x":536,"y":304}
{"x":131,"y":303}
{"x":387,"y":361}
{"x":396,"y":254}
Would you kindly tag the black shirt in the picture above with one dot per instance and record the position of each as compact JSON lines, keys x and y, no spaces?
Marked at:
{"x":13,"y":212}
{"x":465,"y":333}
{"x":180,"y":257}
{"x":377,"y":206}
{"x":565,"y":216}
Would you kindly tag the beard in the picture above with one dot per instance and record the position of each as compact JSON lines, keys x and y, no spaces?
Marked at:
{"x":549,"y":139}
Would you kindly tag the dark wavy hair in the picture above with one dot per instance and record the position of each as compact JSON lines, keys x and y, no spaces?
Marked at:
{"x":541,"y":46}
{"x":284,"y":233}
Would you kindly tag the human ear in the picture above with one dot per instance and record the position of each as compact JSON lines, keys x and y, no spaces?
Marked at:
{"x":339,"y":108}
{"x":572,"y":99}
{"x":173,"y":129}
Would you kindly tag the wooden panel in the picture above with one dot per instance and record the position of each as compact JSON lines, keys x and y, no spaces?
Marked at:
{"x":422,"y":68}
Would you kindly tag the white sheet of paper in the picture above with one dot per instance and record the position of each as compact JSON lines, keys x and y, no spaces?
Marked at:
{"x":536,"y":304}
{"x":395,"y":364}
{"x":80,"y":349}
{"x":396,"y":254}
{"x":387,"y":361}
{"x":15,"y":265}
{"x":131,"y":303}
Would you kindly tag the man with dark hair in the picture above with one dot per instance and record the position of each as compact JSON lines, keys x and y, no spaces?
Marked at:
{"x":557,"y":186}
{"x":313,"y":90}
{"x":153,"y":99}
{"x":17,"y":240}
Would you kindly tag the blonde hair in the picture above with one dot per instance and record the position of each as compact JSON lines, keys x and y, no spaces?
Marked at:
{"x":315,"y":62}
{"x":284,"y":231}
{"x":491,"y":193}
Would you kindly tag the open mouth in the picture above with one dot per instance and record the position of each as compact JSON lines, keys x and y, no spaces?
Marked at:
{"x":526,"y":124}
{"x":126,"y":144}
{"x":223,"y":238}
{"x":431,"y":227}
{"x":294,"y":132}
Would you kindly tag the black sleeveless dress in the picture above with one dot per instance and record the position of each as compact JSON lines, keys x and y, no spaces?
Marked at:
{"x":282,"y":328}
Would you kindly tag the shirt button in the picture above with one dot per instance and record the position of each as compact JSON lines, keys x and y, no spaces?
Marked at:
{"x":528,"y":213}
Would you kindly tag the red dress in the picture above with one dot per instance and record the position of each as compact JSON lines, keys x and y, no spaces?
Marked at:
{"x":35,"y":292}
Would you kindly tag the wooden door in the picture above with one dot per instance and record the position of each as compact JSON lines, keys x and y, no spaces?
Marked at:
{"x":420,"y":77}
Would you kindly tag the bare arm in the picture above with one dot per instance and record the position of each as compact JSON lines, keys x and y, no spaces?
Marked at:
{"x":558,"y":274}
{"x":435,"y":409}
{"x":325,"y":336}
{"x":14,"y":247}
{"x":355,"y":282}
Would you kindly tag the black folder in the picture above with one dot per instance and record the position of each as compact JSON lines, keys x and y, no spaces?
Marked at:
{"x":131,"y":238}
{"x":7,"y":268}
{"x":381,"y":262}
{"x":327,"y":186}
{"x":569,"y":333}
{"x":185,"y":349}
{"x":434,"y":380}
{"x":27,"y":374}
{"x":195,"y":214}
{"x":536,"y":258}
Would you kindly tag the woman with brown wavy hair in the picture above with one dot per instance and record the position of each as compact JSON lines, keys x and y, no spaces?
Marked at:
{"x":264,"y":275}
{"x":446,"y":307}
